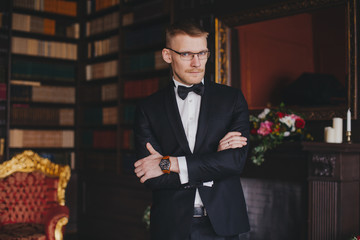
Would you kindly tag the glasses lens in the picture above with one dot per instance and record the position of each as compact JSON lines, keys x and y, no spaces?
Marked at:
{"x":189,"y":55}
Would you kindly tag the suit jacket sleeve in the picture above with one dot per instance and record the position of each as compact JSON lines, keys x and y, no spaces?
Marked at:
{"x":223,"y":164}
{"x":143,"y":135}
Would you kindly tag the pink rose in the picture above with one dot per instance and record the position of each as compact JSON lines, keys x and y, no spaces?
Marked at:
{"x":265,"y":128}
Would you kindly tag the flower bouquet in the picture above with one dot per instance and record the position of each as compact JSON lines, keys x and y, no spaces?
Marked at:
{"x":272,"y":127}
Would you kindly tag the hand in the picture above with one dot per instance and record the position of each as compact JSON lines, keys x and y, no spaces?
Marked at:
{"x":232,"y":140}
{"x":148,"y":167}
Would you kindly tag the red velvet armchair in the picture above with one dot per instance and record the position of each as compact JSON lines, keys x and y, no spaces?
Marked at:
{"x":32,"y":198}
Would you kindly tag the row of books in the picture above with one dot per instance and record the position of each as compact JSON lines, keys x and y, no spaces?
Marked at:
{"x":3,"y":91}
{"x":102,"y":24}
{"x":28,"y":23}
{"x":98,"y":115}
{"x":97,"y":5}
{"x":144,"y":37}
{"x":140,"y":88}
{"x":21,"y":138}
{"x":97,"y":93}
{"x":128,"y":114}
{"x":23,"y":114}
{"x":46,"y":94}
{"x":146,"y":11}
{"x":128,"y":139}
{"x":144,"y":62}
{"x":2,"y":115}
{"x":99,"y":161}
{"x":2,"y":73}
{"x":109,"y":115}
{"x":42,"y":71}
{"x":100,"y":139}
{"x":102,"y":70}
{"x":103,"y":47}
{"x":54,"y":6}
{"x":42,"y":48}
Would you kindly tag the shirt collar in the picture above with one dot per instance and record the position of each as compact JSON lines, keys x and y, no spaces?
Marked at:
{"x":177,"y":83}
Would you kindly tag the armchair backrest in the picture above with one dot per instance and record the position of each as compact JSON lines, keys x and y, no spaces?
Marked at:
{"x":29,"y":186}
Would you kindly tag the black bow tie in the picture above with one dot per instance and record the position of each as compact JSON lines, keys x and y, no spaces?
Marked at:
{"x":184,"y":91}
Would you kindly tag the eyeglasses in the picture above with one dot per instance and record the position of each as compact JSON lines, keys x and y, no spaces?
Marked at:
{"x":188,"y":56}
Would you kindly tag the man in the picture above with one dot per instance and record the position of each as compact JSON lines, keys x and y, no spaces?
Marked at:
{"x":191,"y":146}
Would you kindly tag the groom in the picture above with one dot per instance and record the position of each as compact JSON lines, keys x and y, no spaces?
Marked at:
{"x":191,"y":142}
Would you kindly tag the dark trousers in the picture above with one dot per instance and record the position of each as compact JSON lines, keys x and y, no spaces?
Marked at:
{"x":201,"y":229}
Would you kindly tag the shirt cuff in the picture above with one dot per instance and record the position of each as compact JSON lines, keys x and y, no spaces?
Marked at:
{"x":183,"y":174}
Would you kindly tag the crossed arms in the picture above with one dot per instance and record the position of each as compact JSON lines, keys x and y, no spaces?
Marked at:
{"x":227,"y":160}
{"x":148,"y":167}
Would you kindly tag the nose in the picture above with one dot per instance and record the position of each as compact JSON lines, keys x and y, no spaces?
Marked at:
{"x":195,"y":62}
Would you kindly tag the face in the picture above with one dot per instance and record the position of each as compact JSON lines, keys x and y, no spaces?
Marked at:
{"x":187,"y":72}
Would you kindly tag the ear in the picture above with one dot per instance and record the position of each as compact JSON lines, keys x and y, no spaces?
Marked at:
{"x":166,"y":55}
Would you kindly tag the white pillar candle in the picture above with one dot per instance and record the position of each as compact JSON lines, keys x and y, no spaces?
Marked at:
{"x":348,"y":121}
{"x":329,"y":135}
{"x":338,"y":126}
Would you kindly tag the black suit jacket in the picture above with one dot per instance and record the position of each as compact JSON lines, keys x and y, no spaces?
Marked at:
{"x":223,"y":109}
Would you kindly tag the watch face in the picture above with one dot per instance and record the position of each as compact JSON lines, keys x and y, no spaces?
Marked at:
{"x":165,"y":164}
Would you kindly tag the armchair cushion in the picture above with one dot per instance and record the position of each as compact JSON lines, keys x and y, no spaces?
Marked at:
{"x":22,"y":231}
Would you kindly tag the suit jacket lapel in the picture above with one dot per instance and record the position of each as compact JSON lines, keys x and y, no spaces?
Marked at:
{"x":175,"y":119}
{"x":203,"y":116}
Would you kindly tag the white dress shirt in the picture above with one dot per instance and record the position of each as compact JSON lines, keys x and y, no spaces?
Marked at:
{"x":189,"y":110}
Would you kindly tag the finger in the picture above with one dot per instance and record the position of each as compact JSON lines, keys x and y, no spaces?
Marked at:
{"x":138,"y":169}
{"x":140,"y":174}
{"x":151,"y":149}
{"x":137,"y":163}
{"x":143,"y":179}
{"x":238,"y":141}
{"x":234,"y":139}
{"x":229,"y":135}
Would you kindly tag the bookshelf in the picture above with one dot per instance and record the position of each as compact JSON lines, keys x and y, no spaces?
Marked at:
{"x":5,"y":10}
{"x":42,"y":81}
{"x":98,"y":87}
{"x":119,"y":63}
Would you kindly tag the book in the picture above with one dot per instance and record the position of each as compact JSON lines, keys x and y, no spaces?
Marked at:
{"x":21,"y":138}
{"x":42,"y":70}
{"x":144,"y":62}
{"x":128,"y":139}
{"x":109,"y":92}
{"x":100,"y":161}
{"x":51,"y":49}
{"x":55,"y":6}
{"x":109,"y":115}
{"x":102,"y":70}
{"x":140,"y":88}
{"x":99,"y":139}
{"x":102,"y":24}
{"x":128,"y":115}
{"x":23,"y":114}
{"x":103,"y":47}
{"x":3,"y":91}
{"x":35,"y":24}
{"x":47,"y":94}
{"x":97,"y":5}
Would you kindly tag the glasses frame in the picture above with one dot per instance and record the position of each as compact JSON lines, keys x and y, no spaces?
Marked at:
{"x":192,"y":54}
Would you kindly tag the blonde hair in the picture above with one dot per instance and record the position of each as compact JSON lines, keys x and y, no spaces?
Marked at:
{"x":186,"y":27}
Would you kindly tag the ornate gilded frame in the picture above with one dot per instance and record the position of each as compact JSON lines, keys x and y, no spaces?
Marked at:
{"x":222,"y":47}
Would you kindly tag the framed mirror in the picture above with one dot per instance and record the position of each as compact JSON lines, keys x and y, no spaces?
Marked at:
{"x":302,"y":53}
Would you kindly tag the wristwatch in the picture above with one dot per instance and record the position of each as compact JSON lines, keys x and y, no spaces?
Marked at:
{"x":165,"y":164}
